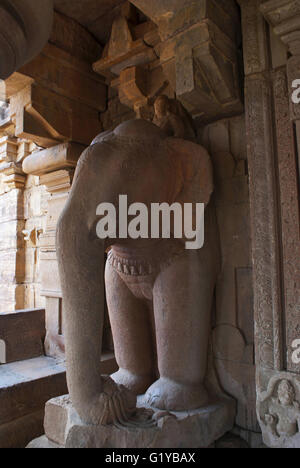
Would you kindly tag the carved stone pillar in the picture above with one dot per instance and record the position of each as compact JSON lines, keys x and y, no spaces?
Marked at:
{"x":12,"y":246}
{"x":284,"y":18}
{"x":263,"y":188}
{"x":274,"y":216}
{"x":55,"y":167}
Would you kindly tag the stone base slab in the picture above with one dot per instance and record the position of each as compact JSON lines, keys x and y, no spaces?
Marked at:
{"x":194,"y":429}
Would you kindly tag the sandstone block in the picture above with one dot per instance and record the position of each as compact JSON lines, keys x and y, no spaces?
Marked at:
{"x":193,"y":429}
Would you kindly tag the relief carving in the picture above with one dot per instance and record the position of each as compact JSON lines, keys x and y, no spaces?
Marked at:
{"x":171,"y":117}
{"x":279,"y":411}
{"x":263,"y":213}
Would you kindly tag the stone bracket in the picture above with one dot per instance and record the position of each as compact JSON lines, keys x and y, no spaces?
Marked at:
{"x":197,"y":55}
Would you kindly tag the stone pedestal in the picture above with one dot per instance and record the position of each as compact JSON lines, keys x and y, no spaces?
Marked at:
{"x":191,"y":429}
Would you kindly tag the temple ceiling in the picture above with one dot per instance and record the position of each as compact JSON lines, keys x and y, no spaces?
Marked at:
{"x":96,"y":15}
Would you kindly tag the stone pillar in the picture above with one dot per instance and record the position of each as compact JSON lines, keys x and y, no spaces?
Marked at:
{"x":55,"y":167}
{"x":12,"y":246}
{"x":284,"y":18}
{"x":274,"y":218}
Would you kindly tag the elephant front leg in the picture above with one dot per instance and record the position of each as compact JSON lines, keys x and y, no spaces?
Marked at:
{"x":183,"y":295}
{"x":81,"y":266}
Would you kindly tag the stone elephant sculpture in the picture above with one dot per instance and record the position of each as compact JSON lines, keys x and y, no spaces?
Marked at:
{"x":25,"y":29}
{"x":159,"y":294}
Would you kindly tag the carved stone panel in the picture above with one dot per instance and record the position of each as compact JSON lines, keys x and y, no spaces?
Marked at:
{"x":289,"y":206}
{"x":279,"y":411}
{"x":263,"y":201}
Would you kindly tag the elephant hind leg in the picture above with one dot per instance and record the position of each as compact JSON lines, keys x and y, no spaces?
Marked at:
{"x":182,"y":299}
{"x":132,"y":335}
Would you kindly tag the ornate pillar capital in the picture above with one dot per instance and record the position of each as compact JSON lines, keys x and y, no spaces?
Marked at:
{"x":284,"y":17}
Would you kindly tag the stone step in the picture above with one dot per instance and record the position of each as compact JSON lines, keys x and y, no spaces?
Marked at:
{"x":22,"y":335}
{"x":25,"y":387}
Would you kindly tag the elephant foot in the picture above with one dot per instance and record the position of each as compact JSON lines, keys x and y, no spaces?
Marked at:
{"x":166,"y":394}
{"x":114,"y":405}
{"x":137,"y":384}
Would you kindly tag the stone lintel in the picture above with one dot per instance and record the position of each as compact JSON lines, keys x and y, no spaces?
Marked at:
{"x":58,"y":181}
{"x":284,"y":17}
{"x":53,"y":159}
{"x":46,"y":109}
{"x":41,"y":115}
{"x":72,"y":78}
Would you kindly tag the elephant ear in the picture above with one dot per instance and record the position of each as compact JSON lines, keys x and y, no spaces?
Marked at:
{"x":195,"y":168}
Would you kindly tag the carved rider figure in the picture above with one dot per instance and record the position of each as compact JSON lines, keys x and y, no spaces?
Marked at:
{"x":172,"y":118}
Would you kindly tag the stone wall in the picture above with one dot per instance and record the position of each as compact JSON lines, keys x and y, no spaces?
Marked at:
{"x":35,"y":211}
{"x":11,"y":250}
{"x":233,"y":324}
{"x":22,"y":216}
{"x":116,"y":112}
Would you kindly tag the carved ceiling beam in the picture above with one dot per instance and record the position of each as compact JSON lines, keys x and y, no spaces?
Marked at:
{"x":54,"y":99}
{"x":194,"y":48}
{"x":173,"y":16}
{"x":57,"y":97}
